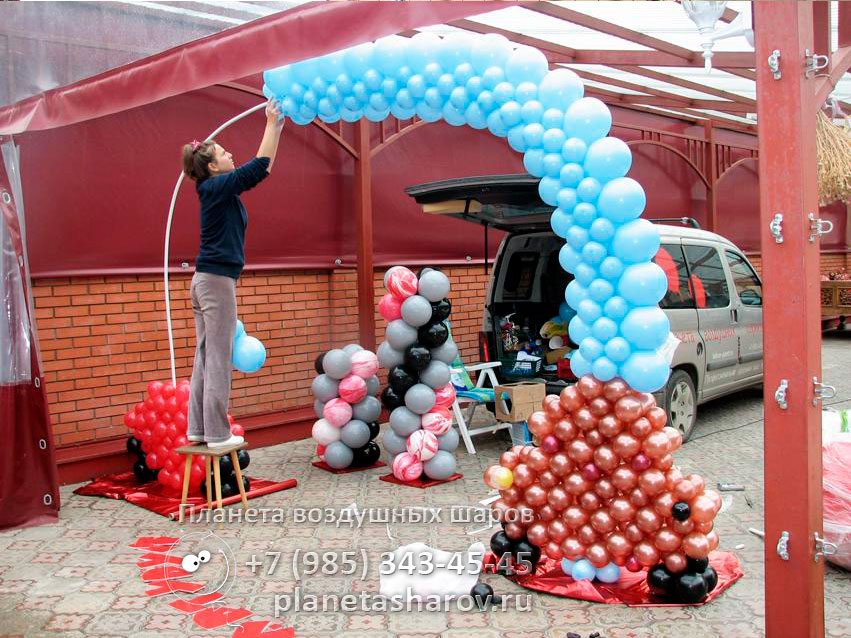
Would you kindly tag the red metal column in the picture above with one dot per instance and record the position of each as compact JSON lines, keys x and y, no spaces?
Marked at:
{"x":794,"y":589}
{"x":710,"y":169}
{"x":363,"y":215}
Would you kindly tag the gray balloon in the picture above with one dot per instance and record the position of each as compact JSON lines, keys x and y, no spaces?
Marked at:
{"x":441,"y":466}
{"x":434,"y":285}
{"x":373,"y":386}
{"x":445,"y":352}
{"x":338,"y":455}
{"x":352,"y":348}
{"x":436,"y":374}
{"x":355,"y":434}
{"x":416,"y":311}
{"x":324,"y":388}
{"x":448,"y":441}
{"x":337,"y":363}
{"x":319,"y":408}
{"x":403,"y":421}
{"x":389,"y":357}
{"x":420,"y":398}
{"x":400,"y":335}
{"x":393,"y":443}
{"x":367,"y":410}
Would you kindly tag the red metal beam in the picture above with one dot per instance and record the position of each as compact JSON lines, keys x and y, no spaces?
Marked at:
{"x":821,"y":28}
{"x":686,"y":84}
{"x":794,"y":588}
{"x":363,"y":217}
{"x":656,"y":97}
{"x":711,"y":168}
{"x":844,"y":24}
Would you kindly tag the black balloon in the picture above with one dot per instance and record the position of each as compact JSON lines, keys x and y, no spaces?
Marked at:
{"x":417,"y":357}
{"x":660,"y":581}
{"x":243,"y":458}
{"x":697,"y":565}
{"x":391,"y":400}
{"x":681,"y":511}
{"x":374,"y":429}
{"x":143,"y":474}
{"x":526,"y":553}
{"x":482,"y":593}
{"x":134,"y":446}
{"x":401,"y":380}
{"x":710,"y":577}
{"x":246,"y":485}
{"x":500,"y":543}
{"x":317,"y":365}
{"x":366,"y":455}
{"x":228,"y":490}
{"x":690,"y":588}
{"x":226,"y":466}
{"x":440,"y":310}
{"x":433,"y":335}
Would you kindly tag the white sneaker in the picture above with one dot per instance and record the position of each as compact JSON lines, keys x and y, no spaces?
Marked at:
{"x":233,"y":440}
{"x":195,"y":438}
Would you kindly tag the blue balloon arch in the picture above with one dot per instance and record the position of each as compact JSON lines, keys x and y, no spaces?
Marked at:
{"x":487,"y":82}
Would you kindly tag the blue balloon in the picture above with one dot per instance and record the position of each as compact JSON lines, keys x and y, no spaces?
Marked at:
{"x":496,"y":125}
{"x":359,"y":92}
{"x":389,"y":54}
{"x":425,"y":112}
{"x":372,"y":79}
{"x":486,"y":101}
{"x":567,"y":199}
{"x":583,"y":570}
{"x":588,"y":119}
{"x":463,"y":72}
{"x":279,"y":80}
{"x":326,"y":108}
{"x":554,"y":118}
{"x":433,"y":98}
{"x":533,"y":134}
{"x":636,"y":241}
{"x":604,"y":368}
{"x":621,"y":200}
{"x":578,"y":330}
{"x":548,"y":187}
{"x":565,"y":312}
{"x":421,"y":50}
{"x":577,"y":237}
{"x":240,"y":329}
{"x":643,"y":284}
{"x":646,"y":328}
{"x":376,"y":102}
{"x":553,"y":139}
{"x":350,"y":115}
{"x":600,"y":290}
{"x":352,"y":103}
{"x":296,"y":91}
{"x":330,"y":119}
{"x":452,"y":115}
{"x":589,"y":311}
{"x":445,"y":84}
{"x":526,"y":64}
{"x":584,"y":273}
{"x":358,"y":59}
{"x":553,"y":164}
{"x":474,"y":116}
{"x":601,"y":229}
{"x":248,"y":354}
{"x":474,"y":86}
{"x":645,"y":371}
{"x":610,"y":267}
{"x":526,"y":91}
{"x":311,"y":100}
{"x":616,"y":308}
{"x":608,"y":158}
{"x":454,"y":50}
{"x":571,"y":174}
{"x":532,"y":112}
{"x":593,"y":252}
{"x":574,"y":149}
{"x":376,"y":115}
{"x":618,"y":349}
{"x":533,"y":161}
{"x":578,"y":364}
{"x":588,"y":189}
{"x":405,"y":99}
{"x":344,"y":84}
{"x":503,"y":92}
{"x":611,"y":573}
{"x":604,"y":329}
{"x":560,"y":88}
{"x":432,"y":73}
{"x":490,"y":50}
{"x":402,"y":112}
{"x":566,"y":566}
{"x":492,"y":76}
{"x":585,"y":214}
{"x":516,"y":139}
{"x":416,"y":85}
{"x":511,"y":113}
{"x":459,"y":98}
{"x":561,"y":223}
{"x":574,"y":293}
{"x":305,"y":71}
{"x":334,"y":96}
{"x":267,"y":92}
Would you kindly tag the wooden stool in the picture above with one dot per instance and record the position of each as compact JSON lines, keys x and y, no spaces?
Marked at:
{"x":208,"y":454}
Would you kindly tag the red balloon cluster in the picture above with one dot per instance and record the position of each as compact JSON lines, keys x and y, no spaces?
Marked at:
{"x":602,"y":484}
{"x":159,"y":423}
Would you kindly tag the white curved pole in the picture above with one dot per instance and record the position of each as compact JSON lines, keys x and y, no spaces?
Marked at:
{"x":168,"y":237}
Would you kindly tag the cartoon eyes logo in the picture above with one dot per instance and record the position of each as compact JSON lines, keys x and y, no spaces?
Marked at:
{"x":191,"y":562}
{"x":187,"y":557}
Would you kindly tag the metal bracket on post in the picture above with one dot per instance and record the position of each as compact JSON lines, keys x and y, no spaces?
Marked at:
{"x":783,"y":546}
{"x":818,"y":227}
{"x":822,"y":391}
{"x":774,"y":63}
{"x":776,"y":228}
{"x":814,"y":62}
{"x":823,"y":548}
{"x":780,"y":394}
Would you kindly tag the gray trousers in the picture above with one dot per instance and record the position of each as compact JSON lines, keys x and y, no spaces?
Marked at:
{"x":214,"y":306}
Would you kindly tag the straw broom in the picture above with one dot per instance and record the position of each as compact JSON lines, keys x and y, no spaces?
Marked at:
{"x":834,"y":160}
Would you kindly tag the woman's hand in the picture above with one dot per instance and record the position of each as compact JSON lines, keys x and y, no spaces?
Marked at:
{"x":273,"y":113}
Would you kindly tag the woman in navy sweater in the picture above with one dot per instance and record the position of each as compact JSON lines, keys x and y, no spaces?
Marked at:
{"x":217,"y":269}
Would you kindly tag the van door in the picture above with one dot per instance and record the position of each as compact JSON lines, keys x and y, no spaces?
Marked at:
{"x":748,"y":307}
{"x":715,"y":316}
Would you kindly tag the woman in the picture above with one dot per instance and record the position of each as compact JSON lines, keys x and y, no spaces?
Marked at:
{"x":217,"y":269}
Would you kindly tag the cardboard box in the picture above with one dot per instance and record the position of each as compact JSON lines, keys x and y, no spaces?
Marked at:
{"x":523,"y":398}
{"x":553,"y":356}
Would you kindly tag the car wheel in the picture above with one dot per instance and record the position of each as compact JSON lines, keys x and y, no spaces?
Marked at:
{"x":681,"y":403}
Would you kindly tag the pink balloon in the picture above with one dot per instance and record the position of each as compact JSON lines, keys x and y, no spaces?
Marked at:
{"x":633,"y":565}
{"x":353,"y":389}
{"x":402,"y":282}
{"x":591,"y":472}
{"x":406,"y":467}
{"x":550,"y":444}
{"x":390,"y":307}
{"x":507,"y":459}
{"x":364,"y":364}
{"x":641,"y":462}
{"x":552,"y":407}
{"x":422,"y":444}
{"x":444,"y":397}
{"x":438,"y":421}
{"x":604,"y":489}
{"x":337,"y":412}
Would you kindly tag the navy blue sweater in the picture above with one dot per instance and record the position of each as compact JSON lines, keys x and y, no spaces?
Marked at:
{"x":223,"y":218}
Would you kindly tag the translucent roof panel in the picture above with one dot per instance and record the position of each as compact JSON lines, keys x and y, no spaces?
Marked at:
{"x":45,"y":45}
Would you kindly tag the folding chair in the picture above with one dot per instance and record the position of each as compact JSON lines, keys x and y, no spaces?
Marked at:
{"x":471,"y":395}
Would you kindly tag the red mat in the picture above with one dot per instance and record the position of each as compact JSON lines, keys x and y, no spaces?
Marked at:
{"x":630,"y":590}
{"x":322,"y":465}
{"x":154,"y":496}
{"x":420,"y":483}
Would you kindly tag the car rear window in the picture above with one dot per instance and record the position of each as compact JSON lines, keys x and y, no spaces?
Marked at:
{"x":520,"y":276}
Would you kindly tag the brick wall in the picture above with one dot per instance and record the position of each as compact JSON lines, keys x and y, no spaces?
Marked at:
{"x":103,"y":339}
{"x":830,"y":262}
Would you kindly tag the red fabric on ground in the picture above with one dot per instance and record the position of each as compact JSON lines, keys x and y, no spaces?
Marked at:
{"x":322,"y":465}
{"x":420,"y":483}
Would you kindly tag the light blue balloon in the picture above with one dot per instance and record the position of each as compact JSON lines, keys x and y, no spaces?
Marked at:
{"x":533,"y":134}
{"x":359,"y":92}
{"x":496,"y":125}
{"x":492,"y":76}
{"x":454,"y":50}
{"x":585,"y":214}
{"x":588,"y":189}
{"x":622,"y":200}
{"x":329,"y":119}
{"x":390,"y":54}
{"x":646,"y":328}
{"x":561,"y":223}
{"x":331,"y":66}
{"x":490,"y":50}
{"x":589,"y":311}
{"x":349,"y":115}
{"x":376,"y":115}
{"x":326,"y":109}
{"x":526,"y":91}
{"x":405,"y":99}
{"x":578,"y":330}
{"x":643,"y":284}
{"x":565,"y":312}
{"x":533,"y":161}
{"x":305,"y":71}
{"x":574,"y":150}
{"x":372,"y":79}
{"x":334,"y":96}
{"x":645,"y":371}
{"x":567,"y":199}
{"x":560,"y":88}
{"x":344,"y":84}
{"x":574,"y":293}
{"x":571,"y":174}
{"x":452,"y":115}
{"x":584,"y":273}
{"x":618,"y":349}
{"x":610,"y":267}
{"x":474,"y":86}
{"x":553,"y":163}
{"x":402,"y":112}
{"x":432,"y":72}
{"x":311,"y":100}
{"x":248,"y":354}
{"x":611,"y":573}
{"x":445,"y":84}
{"x":604,"y":329}
{"x":636,"y":241}
{"x":417,"y":86}
{"x":588,"y":119}
{"x":279,"y":79}
{"x":532,"y":112}
{"x":516,"y":138}
{"x":428,"y":113}
{"x":296,"y":91}
{"x":486,"y":101}
{"x":548,"y":187}
{"x":511,"y":113}
{"x":593,"y":252}
{"x":600,"y":290}
{"x":554,"y":118}
{"x":433,"y":98}
{"x":616,"y":308}
{"x":267,"y":92}
{"x":579,"y":365}
{"x":503,"y":92}
{"x":567,"y":566}
{"x":604,"y":368}
{"x":474,"y":116}
{"x":463,"y":72}
{"x":577,"y":236}
{"x":584,"y":570}
{"x":358,"y":59}
{"x":459,"y":98}
{"x":352,"y":103}
{"x":389,"y":88}
{"x":240,"y":329}
{"x":526,"y":64}
{"x":608,"y":158}
{"x":421,"y":50}
{"x":376,"y":101}
{"x":601,"y":230}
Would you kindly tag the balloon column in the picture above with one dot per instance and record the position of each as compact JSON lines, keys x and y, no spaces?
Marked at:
{"x":417,"y":352}
{"x":159,"y":426}
{"x":347,"y":408}
{"x":249,"y":355}
{"x":602,"y":486}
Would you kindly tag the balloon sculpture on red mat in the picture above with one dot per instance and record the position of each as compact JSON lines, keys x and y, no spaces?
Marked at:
{"x":418,"y":351}
{"x":159,"y":426}
{"x":602,"y":488}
